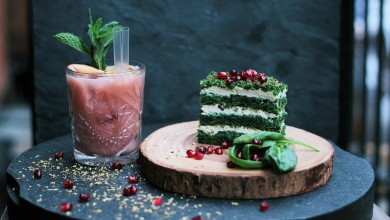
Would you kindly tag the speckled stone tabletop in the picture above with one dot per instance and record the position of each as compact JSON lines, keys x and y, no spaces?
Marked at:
{"x":349,"y":192}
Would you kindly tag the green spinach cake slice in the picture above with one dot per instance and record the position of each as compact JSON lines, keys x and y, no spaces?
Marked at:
{"x":236,"y":103}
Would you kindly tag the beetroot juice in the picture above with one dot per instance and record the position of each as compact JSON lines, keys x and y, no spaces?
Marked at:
{"x":106,"y":110}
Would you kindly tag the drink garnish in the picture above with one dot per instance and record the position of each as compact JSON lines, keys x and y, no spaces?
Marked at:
{"x":100,"y":37}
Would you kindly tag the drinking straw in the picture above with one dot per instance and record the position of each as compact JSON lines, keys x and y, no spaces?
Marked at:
{"x":121,"y":48}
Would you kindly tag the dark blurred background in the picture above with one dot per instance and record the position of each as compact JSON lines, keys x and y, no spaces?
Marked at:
{"x":180,"y":42}
{"x":16,"y":87}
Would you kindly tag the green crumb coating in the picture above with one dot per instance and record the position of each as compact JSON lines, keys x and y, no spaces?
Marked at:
{"x":217,"y":138}
{"x":243,"y":101}
{"x":271,"y":85}
{"x":247,"y":121}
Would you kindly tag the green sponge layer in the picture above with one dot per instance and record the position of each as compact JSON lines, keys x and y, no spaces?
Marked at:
{"x":248,"y":121}
{"x":216,"y":139}
{"x":243,"y":101}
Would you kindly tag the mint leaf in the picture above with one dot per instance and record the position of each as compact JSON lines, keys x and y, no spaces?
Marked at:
{"x":97,"y":26}
{"x":73,"y":41}
{"x":107,"y":29}
{"x":100,"y":37}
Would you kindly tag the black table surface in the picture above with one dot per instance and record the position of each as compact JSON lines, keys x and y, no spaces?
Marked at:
{"x":349,"y":193}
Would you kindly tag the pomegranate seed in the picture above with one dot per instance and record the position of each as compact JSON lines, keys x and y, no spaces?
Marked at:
{"x":66,"y":207}
{"x":116,"y":166}
{"x":243,"y":75}
{"x":221,"y":75}
{"x":198,"y":156}
{"x":84,"y":197}
{"x":218,"y":151}
{"x":257,"y":141}
{"x":157,"y":201}
{"x":190,"y":153}
{"x":230,"y":164}
{"x":133,"y":179}
{"x":238,"y":78}
{"x":263,"y":79}
{"x":68,"y":184}
{"x":59,"y":155}
{"x":196,"y":218}
{"x":37,"y":174}
{"x":129,"y":191}
{"x":239,"y":155}
{"x":201,"y":149}
{"x":255,"y":157}
{"x":251,"y":73}
{"x":210,"y":149}
{"x":262,"y":74}
{"x":228,"y":82}
{"x":264,"y":206}
{"x":234,"y":78}
{"x":224,"y":145}
{"x":233,"y":73}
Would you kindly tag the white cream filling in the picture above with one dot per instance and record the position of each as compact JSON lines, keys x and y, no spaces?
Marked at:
{"x":215,"y":129}
{"x":239,"y":111}
{"x":244,"y":92}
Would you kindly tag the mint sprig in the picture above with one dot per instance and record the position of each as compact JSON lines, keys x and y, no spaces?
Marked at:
{"x":100,"y":38}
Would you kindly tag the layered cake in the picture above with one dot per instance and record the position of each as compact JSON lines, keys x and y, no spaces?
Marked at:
{"x":236,"y":103}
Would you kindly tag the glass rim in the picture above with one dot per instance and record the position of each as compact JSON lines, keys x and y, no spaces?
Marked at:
{"x":141,"y":69}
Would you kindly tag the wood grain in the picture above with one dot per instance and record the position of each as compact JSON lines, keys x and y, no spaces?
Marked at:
{"x":164,"y":163}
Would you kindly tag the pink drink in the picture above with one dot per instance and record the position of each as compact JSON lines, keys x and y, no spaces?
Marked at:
{"x":106,"y":112}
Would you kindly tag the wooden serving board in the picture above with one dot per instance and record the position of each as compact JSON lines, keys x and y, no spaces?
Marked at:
{"x":164,"y":163}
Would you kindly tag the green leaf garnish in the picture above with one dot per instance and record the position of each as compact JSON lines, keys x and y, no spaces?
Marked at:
{"x":273,"y":148}
{"x":99,"y":37}
{"x":73,"y":41}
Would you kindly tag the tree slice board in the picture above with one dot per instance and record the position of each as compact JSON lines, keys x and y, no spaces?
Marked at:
{"x":164,"y":163}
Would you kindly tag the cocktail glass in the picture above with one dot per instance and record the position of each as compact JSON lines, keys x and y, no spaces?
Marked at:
{"x":106,"y":110}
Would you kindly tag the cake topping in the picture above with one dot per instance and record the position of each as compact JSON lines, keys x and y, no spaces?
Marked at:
{"x":198,"y":155}
{"x":66,"y":207}
{"x":230,"y":164}
{"x":190,"y":153}
{"x":59,"y":155}
{"x":133,"y":179}
{"x":37,"y":174}
{"x":224,"y":145}
{"x":232,"y":73}
{"x":129,"y":191}
{"x":264,"y":206}
{"x":68,"y":184}
{"x":221,"y":75}
{"x":218,"y":151}
{"x":157,"y":201}
{"x":249,"y":79}
{"x":249,"y":74}
{"x":116,"y":166}
{"x":201,"y":149}
{"x":210,"y":149}
{"x":84,"y":197}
